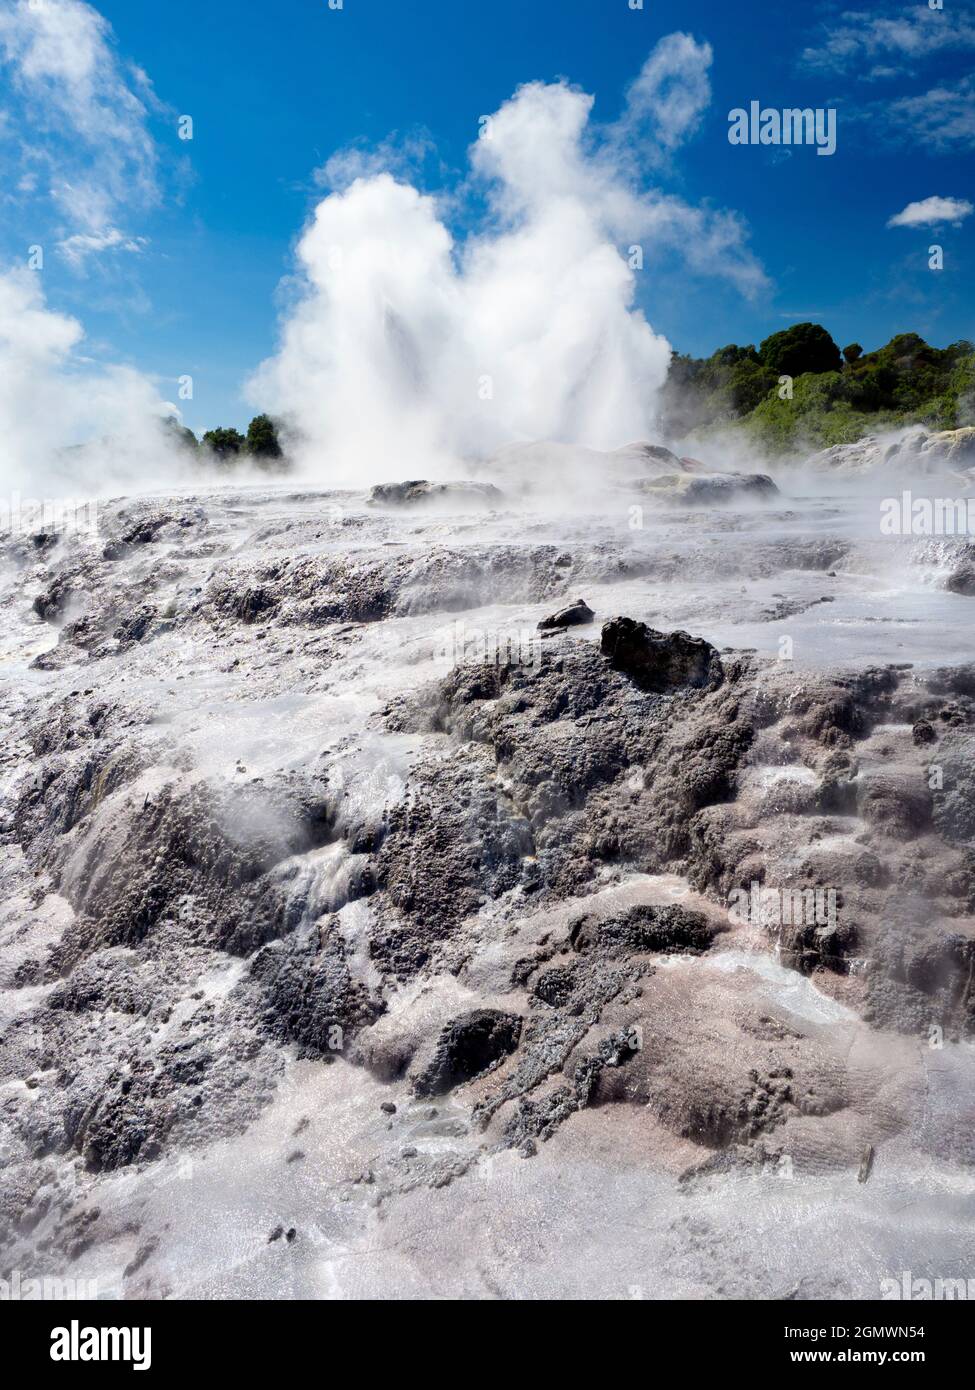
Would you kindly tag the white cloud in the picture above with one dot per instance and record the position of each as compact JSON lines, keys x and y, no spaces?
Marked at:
{"x":82,"y":127}
{"x":942,"y":118}
{"x":905,"y":35}
{"x":76,"y":249}
{"x":402,"y":157}
{"x":931,"y":212}
{"x":405,"y":350}
{"x":664,"y":105}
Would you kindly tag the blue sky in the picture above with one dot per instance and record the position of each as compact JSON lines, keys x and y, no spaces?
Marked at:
{"x":189,"y":278}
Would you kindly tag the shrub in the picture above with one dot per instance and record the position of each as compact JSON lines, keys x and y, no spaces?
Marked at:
{"x":262,"y":438}
{"x":225,"y":443}
{"x":805,"y":347}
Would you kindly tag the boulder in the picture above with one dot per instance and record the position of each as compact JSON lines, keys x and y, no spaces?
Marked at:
{"x":866,"y":455}
{"x":642,"y":928}
{"x":962,"y":580}
{"x":576,"y":615}
{"x":649,"y":453}
{"x":918,"y":452}
{"x":420,"y":490}
{"x":709,"y":489}
{"x":942,"y":448}
{"x":660,"y":661}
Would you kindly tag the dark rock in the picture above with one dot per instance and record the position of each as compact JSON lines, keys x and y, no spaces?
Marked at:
{"x":133,"y":629}
{"x":643,"y":928}
{"x":954,"y":806}
{"x":575,"y":615}
{"x":449,"y":845}
{"x":894,"y":805}
{"x":653,"y":453}
{"x":410,"y":493}
{"x":539,"y":1119}
{"x":660,"y":661}
{"x":962,"y":581}
{"x":556,"y":986}
{"x":210,"y":840}
{"x":312,"y":997}
{"x":470,"y":1045}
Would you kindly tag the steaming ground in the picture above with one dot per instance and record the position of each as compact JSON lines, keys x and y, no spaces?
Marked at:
{"x":282,"y":853}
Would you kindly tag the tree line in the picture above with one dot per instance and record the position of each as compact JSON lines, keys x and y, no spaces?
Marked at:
{"x":799,"y":387}
{"x":228,"y":447}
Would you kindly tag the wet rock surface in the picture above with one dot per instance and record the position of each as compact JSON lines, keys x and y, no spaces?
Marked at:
{"x":295,"y":888}
{"x":468,"y":1047}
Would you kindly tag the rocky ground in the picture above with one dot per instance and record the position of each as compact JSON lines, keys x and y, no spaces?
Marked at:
{"x":446,"y":891}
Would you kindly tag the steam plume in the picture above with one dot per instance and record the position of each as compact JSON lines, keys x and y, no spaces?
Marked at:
{"x":407,"y":349}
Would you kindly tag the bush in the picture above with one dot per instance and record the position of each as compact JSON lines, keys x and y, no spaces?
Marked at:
{"x":907,"y":381}
{"x":748,"y":384}
{"x":179,"y":435}
{"x":703,"y":391}
{"x":226,"y":444}
{"x":805,"y":347}
{"x":262,"y":438}
{"x":817,"y":416}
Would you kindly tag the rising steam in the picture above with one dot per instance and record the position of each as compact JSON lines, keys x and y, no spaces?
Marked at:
{"x":67,"y":423}
{"x":407,"y":349}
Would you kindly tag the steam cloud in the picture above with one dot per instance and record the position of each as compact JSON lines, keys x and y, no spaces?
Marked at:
{"x":78,"y":154}
{"x":51,"y":396}
{"x":406,"y":350}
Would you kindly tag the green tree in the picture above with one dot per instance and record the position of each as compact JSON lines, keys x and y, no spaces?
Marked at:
{"x":224,"y":447}
{"x":179,"y":435}
{"x":262,"y":438}
{"x":907,"y":381}
{"x":816,"y":416}
{"x":748,"y":383}
{"x":226,"y":444}
{"x":805,"y":347}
